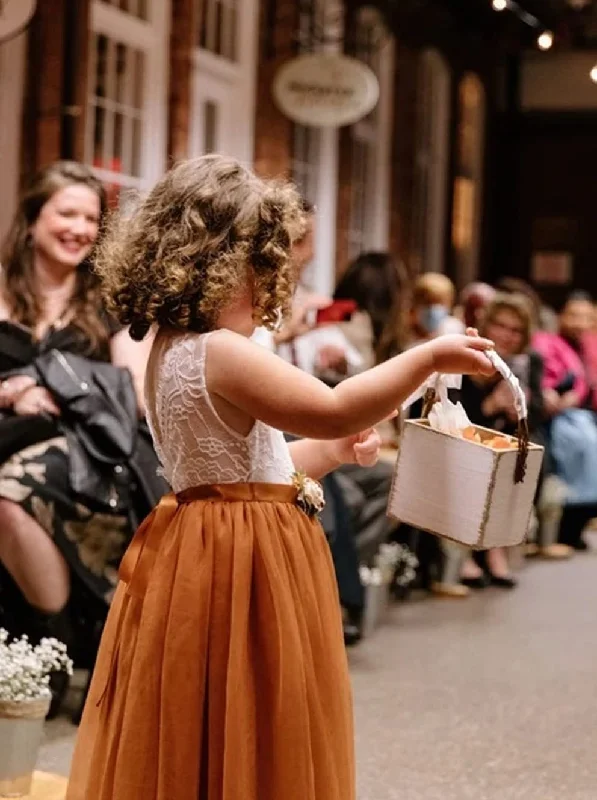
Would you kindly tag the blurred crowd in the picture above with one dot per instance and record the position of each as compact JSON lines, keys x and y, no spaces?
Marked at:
{"x":72,"y":490}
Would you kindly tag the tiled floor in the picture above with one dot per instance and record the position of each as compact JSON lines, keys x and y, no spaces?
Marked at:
{"x":490,"y":698}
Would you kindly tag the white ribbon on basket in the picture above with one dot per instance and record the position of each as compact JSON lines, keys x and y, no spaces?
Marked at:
{"x":437,"y":381}
{"x":441,"y":383}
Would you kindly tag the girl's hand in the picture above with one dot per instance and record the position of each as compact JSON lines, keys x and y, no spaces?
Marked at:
{"x":11,"y":388}
{"x":36,"y":400}
{"x":362,"y":449}
{"x":461,"y":354}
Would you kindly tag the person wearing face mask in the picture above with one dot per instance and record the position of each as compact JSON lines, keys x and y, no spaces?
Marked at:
{"x":60,"y":546}
{"x":431,"y":310}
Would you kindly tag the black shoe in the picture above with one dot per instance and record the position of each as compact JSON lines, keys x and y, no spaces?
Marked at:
{"x":352,"y":634}
{"x":581,"y":546}
{"x":482,"y":582}
{"x":503,"y":583}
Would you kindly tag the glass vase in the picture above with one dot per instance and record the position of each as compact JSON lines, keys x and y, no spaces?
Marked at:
{"x":21,"y":731}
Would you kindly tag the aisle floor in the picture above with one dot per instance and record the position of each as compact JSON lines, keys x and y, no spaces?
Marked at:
{"x":489,"y":698}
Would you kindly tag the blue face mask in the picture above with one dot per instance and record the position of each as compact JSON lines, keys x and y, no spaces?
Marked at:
{"x":431,"y":317}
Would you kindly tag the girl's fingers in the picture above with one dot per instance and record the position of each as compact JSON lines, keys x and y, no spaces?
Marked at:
{"x":477,"y":343}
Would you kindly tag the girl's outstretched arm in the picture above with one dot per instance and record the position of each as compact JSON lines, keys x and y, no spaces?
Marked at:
{"x":265,"y":387}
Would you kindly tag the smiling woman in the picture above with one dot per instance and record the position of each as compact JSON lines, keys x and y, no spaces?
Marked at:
{"x":58,"y":544}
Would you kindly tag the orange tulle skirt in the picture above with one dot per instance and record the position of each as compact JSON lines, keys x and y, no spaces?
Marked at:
{"x":222,"y":673}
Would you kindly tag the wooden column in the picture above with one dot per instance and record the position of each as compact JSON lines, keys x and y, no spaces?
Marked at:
{"x":273,"y":131}
{"x":403,"y":152}
{"x":345,"y":153}
{"x":76,"y":78}
{"x":183,"y":40}
{"x":42,"y":122}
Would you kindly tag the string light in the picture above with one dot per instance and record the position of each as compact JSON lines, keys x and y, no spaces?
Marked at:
{"x":593,"y":74}
{"x":499,"y":5}
{"x":545,"y":40}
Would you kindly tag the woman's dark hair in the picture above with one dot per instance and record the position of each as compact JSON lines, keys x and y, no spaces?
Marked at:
{"x":379,"y":283}
{"x":17,"y":277}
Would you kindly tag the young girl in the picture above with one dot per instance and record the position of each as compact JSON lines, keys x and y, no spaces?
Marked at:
{"x":222,"y":673}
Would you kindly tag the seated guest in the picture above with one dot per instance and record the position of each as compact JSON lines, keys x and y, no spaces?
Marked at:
{"x":77,"y":470}
{"x":431,"y":309}
{"x":569,"y":388}
{"x":489,"y":403}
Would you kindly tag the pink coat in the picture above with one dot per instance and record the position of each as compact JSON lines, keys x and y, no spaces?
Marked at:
{"x":560,"y":359}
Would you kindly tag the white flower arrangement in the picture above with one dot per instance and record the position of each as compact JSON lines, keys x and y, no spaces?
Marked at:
{"x":386,"y":566}
{"x":25,"y":669}
{"x":400,"y":562}
{"x":310,"y":497}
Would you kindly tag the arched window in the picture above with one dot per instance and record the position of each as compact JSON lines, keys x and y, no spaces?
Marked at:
{"x":431,"y":164}
{"x":468,"y":184}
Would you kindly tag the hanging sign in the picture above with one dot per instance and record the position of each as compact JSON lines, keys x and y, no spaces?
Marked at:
{"x":326,"y":90}
{"x":15,"y":15}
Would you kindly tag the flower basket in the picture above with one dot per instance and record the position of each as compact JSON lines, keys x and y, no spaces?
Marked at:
{"x":21,"y":731}
{"x":462,"y":489}
{"x":24,"y":703}
{"x":464,"y":482}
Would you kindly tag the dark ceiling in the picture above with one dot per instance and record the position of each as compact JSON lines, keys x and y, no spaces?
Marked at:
{"x":574,"y":22}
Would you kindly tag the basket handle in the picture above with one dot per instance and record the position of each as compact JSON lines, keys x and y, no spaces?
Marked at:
{"x":520,"y":403}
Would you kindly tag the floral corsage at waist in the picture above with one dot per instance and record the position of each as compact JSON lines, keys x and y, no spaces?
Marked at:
{"x":310,"y":497}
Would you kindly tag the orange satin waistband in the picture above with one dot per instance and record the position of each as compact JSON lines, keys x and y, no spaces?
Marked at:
{"x":240,"y":492}
{"x":137,"y":564}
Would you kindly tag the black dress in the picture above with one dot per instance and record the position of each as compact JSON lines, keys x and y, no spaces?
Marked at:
{"x":92,"y":538}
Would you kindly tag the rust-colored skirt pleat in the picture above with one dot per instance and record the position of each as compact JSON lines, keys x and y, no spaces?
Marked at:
{"x":222,"y":673}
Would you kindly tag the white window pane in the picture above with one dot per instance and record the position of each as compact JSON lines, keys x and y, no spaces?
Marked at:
{"x":218,"y":27}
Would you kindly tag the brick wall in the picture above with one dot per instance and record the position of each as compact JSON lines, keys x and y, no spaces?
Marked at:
{"x":55,"y":84}
{"x":185,"y":22}
{"x":273,"y":131}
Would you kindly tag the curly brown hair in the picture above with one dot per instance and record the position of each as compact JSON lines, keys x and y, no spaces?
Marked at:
{"x":17,"y":278}
{"x":209,"y":226}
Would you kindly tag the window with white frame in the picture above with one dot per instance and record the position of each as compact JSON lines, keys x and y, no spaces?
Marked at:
{"x":127,"y":93}
{"x":218,"y":28}
{"x":224,"y":79}
{"x":427,"y":251}
{"x":466,"y":220}
{"x":365,"y":141}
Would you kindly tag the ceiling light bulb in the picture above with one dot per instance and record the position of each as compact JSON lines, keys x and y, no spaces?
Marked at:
{"x":545,"y":40}
{"x":593,"y":74}
{"x":499,"y":5}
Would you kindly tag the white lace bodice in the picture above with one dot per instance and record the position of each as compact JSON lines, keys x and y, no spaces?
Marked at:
{"x":193,"y":444}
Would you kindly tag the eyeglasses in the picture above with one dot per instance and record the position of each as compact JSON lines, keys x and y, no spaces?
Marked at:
{"x":515,"y":330}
